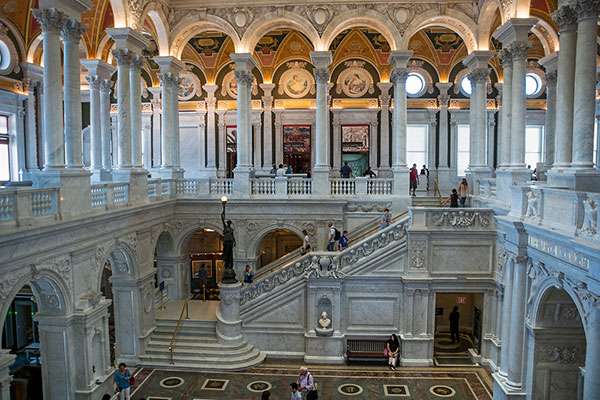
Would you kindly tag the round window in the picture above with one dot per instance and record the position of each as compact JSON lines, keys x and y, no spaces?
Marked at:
{"x":415,"y":84}
{"x":465,"y":85}
{"x":533,"y":84}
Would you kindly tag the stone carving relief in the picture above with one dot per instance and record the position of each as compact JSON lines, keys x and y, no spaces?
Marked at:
{"x":401,"y":14}
{"x":148,"y":298}
{"x":9,"y":282}
{"x":417,"y":254}
{"x":324,"y":267}
{"x":11,"y":55}
{"x":558,"y":354}
{"x":131,"y":242}
{"x":59,"y":264}
{"x":502,"y":258}
{"x":460,"y":219}
{"x":590,"y":218}
{"x":240,"y":17}
{"x":532,"y":205}
{"x":136,"y":7}
{"x":365,"y":208}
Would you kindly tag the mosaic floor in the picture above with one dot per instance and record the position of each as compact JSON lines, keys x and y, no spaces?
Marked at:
{"x":343,"y":382}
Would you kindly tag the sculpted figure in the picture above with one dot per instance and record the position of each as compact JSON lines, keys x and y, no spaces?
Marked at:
{"x":324,"y":321}
{"x":590,"y":218}
{"x":532,"y":205}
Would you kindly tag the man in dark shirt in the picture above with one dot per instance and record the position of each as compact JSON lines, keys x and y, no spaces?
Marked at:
{"x":346,"y":171}
{"x":454,"y":317}
{"x":414,"y":179}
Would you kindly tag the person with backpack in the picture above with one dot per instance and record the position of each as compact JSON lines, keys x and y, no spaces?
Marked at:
{"x":306,"y":384}
{"x":124,"y":380}
{"x":334,"y":236}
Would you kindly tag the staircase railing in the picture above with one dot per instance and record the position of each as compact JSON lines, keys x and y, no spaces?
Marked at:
{"x":187,"y":316}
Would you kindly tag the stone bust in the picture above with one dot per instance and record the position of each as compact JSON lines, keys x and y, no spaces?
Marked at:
{"x":324,"y":321}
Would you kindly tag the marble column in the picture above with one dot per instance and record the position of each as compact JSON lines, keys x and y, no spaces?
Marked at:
{"x":32,"y":84}
{"x":591,"y":383}
{"x":243,"y":74}
{"x":320,"y":173}
{"x":105,"y":128}
{"x":51,"y":21}
{"x":123,"y":58}
{"x":584,"y":105}
{"x":337,"y":142}
{"x":489,"y":142}
{"x":384,"y":131}
{"x":169,"y":79}
{"x":211,"y":138}
{"x":566,"y":20}
{"x":98,"y":73}
{"x":147,"y":115}
{"x":373,"y":145}
{"x":399,"y":60}
{"x":222,"y":140}
{"x":506,"y":109}
{"x":519,"y":52}
{"x":506,"y":318}
{"x":71,"y":34}
{"x":257,"y":133}
{"x":517,"y":322}
{"x":443,"y":169}
{"x":156,"y":118}
{"x":267,"y":125}
{"x":550,"y":63}
{"x":135,"y":87}
{"x":279,"y":137}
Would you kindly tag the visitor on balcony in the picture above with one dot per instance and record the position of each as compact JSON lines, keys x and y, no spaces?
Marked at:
{"x":280,"y":170}
{"x":453,"y":199}
{"x":288,"y":170}
{"x":369,"y":173}
{"x":463,"y":192}
{"x":392,"y":351}
{"x":305,"y":242}
{"x":386,"y":219}
{"x":346,"y":171}
{"x":273,"y":170}
{"x":425,"y":171}
{"x":414,"y":179}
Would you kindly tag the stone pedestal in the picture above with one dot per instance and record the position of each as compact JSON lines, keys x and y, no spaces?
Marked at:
{"x":6,"y":360}
{"x":320,"y":179}
{"x":229,"y":324}
{"x":505,"y":179}
{"x":325,"y":349}
{"x":76,"y":183}
{"x":475,"y":176}
{"x":582,"y":179}
{"x":401,"y":181}
{"x":138,"y":183}
{"x":241,"y":182}
{"x":416,"y":351}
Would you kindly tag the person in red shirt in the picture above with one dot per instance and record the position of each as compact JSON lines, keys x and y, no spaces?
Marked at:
{"x":414,"y":179}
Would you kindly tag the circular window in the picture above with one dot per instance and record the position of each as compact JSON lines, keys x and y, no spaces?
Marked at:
{"x":465,"y":86}
{"x":533,"y":84}
{"x":415,"y":84}
{"x":4,"y":56}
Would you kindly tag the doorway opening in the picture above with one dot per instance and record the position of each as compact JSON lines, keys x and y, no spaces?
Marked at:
{"x":206,"y":266}
{"x":275,"y":245}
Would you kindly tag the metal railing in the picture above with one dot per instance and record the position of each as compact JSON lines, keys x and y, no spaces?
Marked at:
{"x":187,"y":316}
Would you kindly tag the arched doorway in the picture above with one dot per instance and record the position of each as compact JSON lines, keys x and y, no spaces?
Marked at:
{"x":204,"y":255}
{"x":559,"y":346}
{"x":275,"y":245}
{"x":106,"y":289}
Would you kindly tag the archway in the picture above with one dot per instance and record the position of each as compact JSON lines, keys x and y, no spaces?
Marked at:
{"x":203,"y":263}
{"x":558,"y":347}
{"x":275,"y":245}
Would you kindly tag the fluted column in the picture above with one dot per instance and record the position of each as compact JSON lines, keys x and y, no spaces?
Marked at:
{"x":373,"y":145}
{"x":384,"y":129}
{"x":166,"y":142}
{"x":257,"y":133}
{"x":211,"y":142}
{"x":71,"y":34}
{"x":444,"y":99}
{"x":506,"y":318}
{"x":519,"y":52}
{"x":566,"y":19}
{"x":279,"y":137}
{"x":135,"y":84}
{"x":123,"y":58}
{"x":267,"y":125}
{"x":51,"y":22}
{"x":95,"y":124}
{"x":156,"y":121}
{"x":517,"y":323}
{"x":550,"y":63}
{"x":336,"y":126}
{"x":105,"y":126}
{"x":175,"y":124}
{"x":244,"y":80}
{"x":506,"y":108}
{"x":585,"y":84}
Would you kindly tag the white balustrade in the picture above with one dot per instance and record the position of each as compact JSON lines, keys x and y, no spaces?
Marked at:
{"x":299,"y":186}
{"x":187,"y":187}
{"x":342,"y":186}
{"x":221,"y":186}
{"x":152,"y":188}
{"x":7,"y":206}
{"x":262,"y":186}
{"x":98,"y":196}
{"x":120,"y":193}
{"x":43,"y":202}
{"x":379,"y":186}
{"x":165,"y":188}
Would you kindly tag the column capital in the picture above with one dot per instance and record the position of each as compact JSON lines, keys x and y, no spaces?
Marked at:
{"x":479,"y":75}
{"x":505,"y":57}
{"x":519,"y":50}
{"x":127,"y":38}
{"x":32,"y":71}
{"x":566,"y":18}
{"x":243,"y":61}
{"x":136,"y":63}
{"x":399,"y":75}
{"x":72,"y":31}
{"x":106,"y":85}
{"x":444,"y":99}
{"x":444,"y":87}
{"x":167,"y":79}
{"x":94,"y":81}
{"x":156,"y":92}
{"x":514,"y":30}
{"x":244,"y":77}
{"x":399,"y":59}
{"x":169,"y":64}
{"x":122,"y":57}
{"x":384,"y":87}
{"x":550,"y":62}
{"x":321,"y":75}
{"x":478,"y":59}
{"x":587,"y":9}
{"x":267,"y":88}
{"x":321,"y":59}
{"x":551,"y":78}
{"x":50,"y":19}
{"x":71,"y":8}
{"x":98,"y":67}
{"x":210,"y":89}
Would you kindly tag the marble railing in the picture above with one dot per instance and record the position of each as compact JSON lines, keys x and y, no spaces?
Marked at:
{"x":108,"y":195}
{"x":263,"y":186}
{"x":299,"y":186}
{"x":220,"y":186}
{"x":342,"y":186}
{"x":318,"y":264}
{"x":443,"y":219}
{"x":23,"y":205}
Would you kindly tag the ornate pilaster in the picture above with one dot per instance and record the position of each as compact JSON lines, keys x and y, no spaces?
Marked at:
{"x":267,"y":124}
{"x":123,"y":58}
{"x":105,"y":128}
{"x":167,"y":80}
{"x":384,"y":130}
{"x":135,"y":68}
{"x":244,"y":80}
{"x":211,"y":141}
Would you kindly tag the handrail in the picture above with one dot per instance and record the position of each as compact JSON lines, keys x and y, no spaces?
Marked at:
{"x":187,"y":316}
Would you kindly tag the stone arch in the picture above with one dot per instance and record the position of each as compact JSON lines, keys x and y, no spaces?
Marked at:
{"x":549,"y":40}
{"x":459,"y":22}
{"x":33,"y":46}
{"x":369,"y":18}
{"x":487,"y":17}
{"x":258,"y":236}
{"x":116,"y":252}
{"x":158,"y":232}
{"x":119,"y":9}
{"x":18,"y":37}
{"x":159,"y":19}
{"x":189,"y":26}
{"x":185,"y":235}
{"x":37,"y":43}
{"x":266,"y":23}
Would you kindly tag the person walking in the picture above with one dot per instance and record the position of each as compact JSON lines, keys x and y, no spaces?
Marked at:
{"x":463,"y":192}
{"x":123,"y":382}
{"x":333,"y":232}
{"x":346,"y":171}
{"x":386,"y":219}
{"x":343,"y":242}
{"x":369,"y":173}
{"x":248,"y":275}
{"x":306,"y":382}
{"x":305,"y":242}
{"x":453,"y":198}
{"x":425,"y":171}
{"x":454,"y":317}
{"x":414,"y":179}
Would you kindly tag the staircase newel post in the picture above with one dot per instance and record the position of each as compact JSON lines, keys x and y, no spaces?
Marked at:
{"x":229,"y":324}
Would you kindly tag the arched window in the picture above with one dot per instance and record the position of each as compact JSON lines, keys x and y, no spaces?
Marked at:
{"x":465,"y":86}
{"x":415,"y":84}
{"x":533,"y":84}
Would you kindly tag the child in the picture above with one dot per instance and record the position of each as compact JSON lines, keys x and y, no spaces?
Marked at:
{"x":453,"y":199}
{"x":343,"y":242}
{"x":295,"y":393}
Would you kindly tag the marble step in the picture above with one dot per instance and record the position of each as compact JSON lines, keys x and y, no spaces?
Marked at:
{"x":185,"y":338}
{"x":195,"y":352}
{"x":162,"y":345}
{"x":223,"y":360}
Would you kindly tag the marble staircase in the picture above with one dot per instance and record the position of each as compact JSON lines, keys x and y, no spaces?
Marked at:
{"x":196,"y":348}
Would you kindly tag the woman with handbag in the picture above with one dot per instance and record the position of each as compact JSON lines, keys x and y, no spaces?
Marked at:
{"x":392,"y":351}
{"x":124,"y":380}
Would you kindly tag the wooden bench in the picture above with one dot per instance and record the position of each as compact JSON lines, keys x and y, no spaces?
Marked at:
{"x":370,"y":349}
